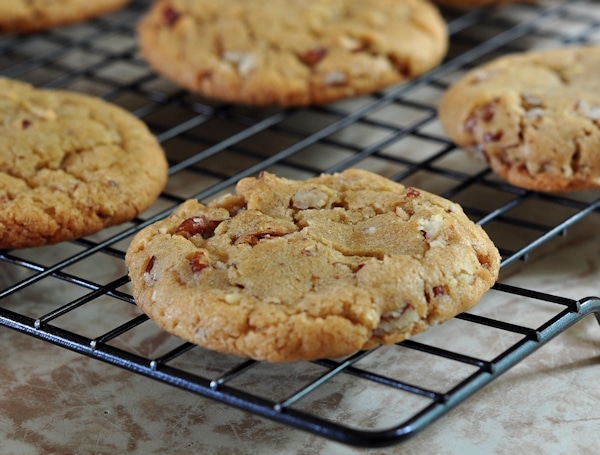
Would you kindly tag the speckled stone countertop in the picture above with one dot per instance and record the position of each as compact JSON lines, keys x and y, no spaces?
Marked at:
{"x":56,"y":401}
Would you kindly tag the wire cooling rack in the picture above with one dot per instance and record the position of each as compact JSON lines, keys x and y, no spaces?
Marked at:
{"x":76,"y":294}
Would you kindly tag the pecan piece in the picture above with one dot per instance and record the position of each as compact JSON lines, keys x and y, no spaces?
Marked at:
{"x":412,"y":192}
{"x":314,"y":55}
{"x":150,"y":264}
{"x":170,"y":16}
{"x":198,"y":262}
{"x":439,"y":290}
{"x":335,"y":78}
{"x":485,"y":113}
{"x":149,"y":276}
{"x":312,"y":198}
{"x":197,"y":225}
{"x":492,"y":137}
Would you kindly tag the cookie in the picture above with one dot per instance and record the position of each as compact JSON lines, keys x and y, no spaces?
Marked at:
{"x":70,"y":164}
{"x":289,"y":270}
{"x":534,"y":116}
{"x":277,"y":52}
{"x":26,"y":16}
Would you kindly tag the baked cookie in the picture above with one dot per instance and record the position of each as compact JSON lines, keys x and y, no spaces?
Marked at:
{"x":70,"y":164}
{"x":535,"y":116}
{"x":295,"y":270}
{"x":280,"y":52}
{"x":26,"y":16}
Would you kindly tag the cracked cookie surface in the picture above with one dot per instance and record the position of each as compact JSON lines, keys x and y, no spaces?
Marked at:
{"x":70,"y":164}
{"x":535,"y":117}
{"x":277,"y":52}
{"x":26,"y":16}
{"x":288,"y":270}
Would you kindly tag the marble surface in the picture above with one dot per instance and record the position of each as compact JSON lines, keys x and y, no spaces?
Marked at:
{"x":55,"y":401}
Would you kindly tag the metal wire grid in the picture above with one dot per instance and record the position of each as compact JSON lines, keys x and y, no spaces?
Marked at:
{"x":212,"y":145}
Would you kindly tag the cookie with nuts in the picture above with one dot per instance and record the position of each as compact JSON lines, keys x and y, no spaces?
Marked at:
{"x":279,"y":52}
{"x":70,"y":165}
{"x":534,"y":116}
{"x":287,"y":270}
{"x":26,"y":16}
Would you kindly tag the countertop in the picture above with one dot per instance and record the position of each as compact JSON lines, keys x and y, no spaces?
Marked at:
{"x":55,"y":401}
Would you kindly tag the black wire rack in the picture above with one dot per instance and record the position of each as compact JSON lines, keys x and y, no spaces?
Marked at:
{"x":76,"y":294}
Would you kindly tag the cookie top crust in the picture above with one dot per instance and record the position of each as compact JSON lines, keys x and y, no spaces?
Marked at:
{"x":535,"y":116}
{"x":70,"y":164}
{"x":26,"y":16}
{"x":280,"y":52}
{"x":288,"y":270}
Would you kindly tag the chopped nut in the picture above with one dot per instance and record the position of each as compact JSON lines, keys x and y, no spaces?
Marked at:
{"x":492,"y":137}
{"x":470,"y":123}
{"x":312,"y":198}
{"x":412,"y":192}
{"x":314,"y":55}
{"x":431,"y":229}
{"x":530,"y":101}
{"x":233,"y":298}
{"x":536,"y":112}
{"x":254,"y":238}
{"x":39,"y":112}
{"x":401,"y":213}
{"x":197,"y":225}
{"x":247,"y":240}
{"x":149,"y":276}
{"x":401,"y":66}
{"x":488,"y":110}
{"x":150,"y":264}
{"x":479,"y":76}
{"x":398,"y":319}
{"x":370,"y":230}
{"x":244,"y":61}
{"x":484,"y":113}
{"x":584,"y":108}
{"x":335,"y":78}
{"x":310,"y":250}
{"x":439,"y":290}
{"x":170,"y":16}
{"x":198,"y":262}
{"x":353,"y":44}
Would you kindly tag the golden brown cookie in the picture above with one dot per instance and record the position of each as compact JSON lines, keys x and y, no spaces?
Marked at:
{"x":292,"y":270}
{"x":70,"y":164}
{"x":26,"y":16}
{"x":535,"y":116}
{"x":291,"y":52}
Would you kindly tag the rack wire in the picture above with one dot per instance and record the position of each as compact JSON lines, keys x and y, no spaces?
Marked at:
{"x":76,"y":294}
